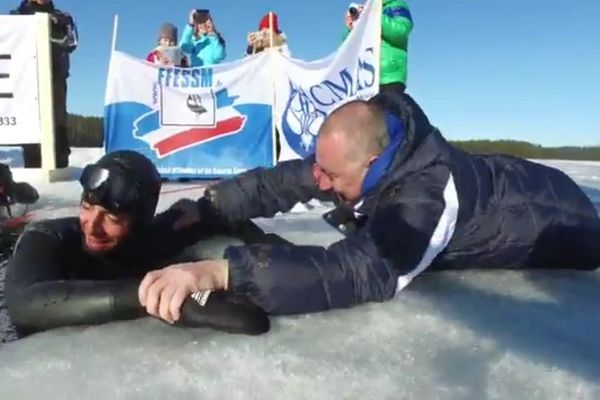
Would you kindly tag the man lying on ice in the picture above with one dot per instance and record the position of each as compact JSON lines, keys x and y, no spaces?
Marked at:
{"x":87,"y":270}
{"x":407,"y":201}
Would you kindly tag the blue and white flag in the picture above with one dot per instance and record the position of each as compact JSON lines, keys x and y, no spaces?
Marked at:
{"x":307,"y":91}
{"x":192,"y":122}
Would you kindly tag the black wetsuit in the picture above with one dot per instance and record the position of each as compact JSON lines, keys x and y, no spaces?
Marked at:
{"x":52,"y":281}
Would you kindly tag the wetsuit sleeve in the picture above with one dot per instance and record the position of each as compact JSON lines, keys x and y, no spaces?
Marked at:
{"x":40,"y":296}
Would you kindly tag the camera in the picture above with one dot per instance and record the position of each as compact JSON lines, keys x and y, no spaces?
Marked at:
{"x":354,"y":10}
{"x":201,"y":15}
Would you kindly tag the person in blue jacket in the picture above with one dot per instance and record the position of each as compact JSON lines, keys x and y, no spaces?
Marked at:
{"x":407,"y":202}
{"x":201,"y":41}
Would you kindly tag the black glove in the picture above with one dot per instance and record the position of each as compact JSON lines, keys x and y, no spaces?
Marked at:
{"x":224,"y":312}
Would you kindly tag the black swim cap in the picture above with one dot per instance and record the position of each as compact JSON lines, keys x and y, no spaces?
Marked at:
{"x":123,"y":181}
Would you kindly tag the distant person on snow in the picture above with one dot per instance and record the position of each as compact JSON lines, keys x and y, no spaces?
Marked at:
{"x":64,"y":40}
{"x":201,"y":41}
{"x":407,"y":201}
{"x":396,"y":26}
{"x":167,"y":52}
{"x":260,"y":40}
{"x":86,"y":270}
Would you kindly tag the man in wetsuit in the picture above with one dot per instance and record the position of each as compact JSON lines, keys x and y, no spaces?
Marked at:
{"x":87,"y":270}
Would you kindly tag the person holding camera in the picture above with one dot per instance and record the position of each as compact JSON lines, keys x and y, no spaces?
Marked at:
{"x":201,"y":41}
{"x":396,"y":26}
{"x":268,"y":35}
{"x":64,"y":40}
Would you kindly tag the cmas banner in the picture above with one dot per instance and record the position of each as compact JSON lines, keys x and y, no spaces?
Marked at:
{"x":192,"y":122}
{"x":19,"y":92}
{"x":307,"y":91}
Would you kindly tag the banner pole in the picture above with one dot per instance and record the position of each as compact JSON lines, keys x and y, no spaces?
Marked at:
{"x":271,"y":33}
{"x":379,"y":40}
{"x":113,"y":45}
{"x":45,"y":98}
{"x":274,"y":107}
{"x":274,"y":89}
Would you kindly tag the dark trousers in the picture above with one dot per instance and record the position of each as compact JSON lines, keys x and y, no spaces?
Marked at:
{"x":31,"y":152}
{"x":396,"y":87}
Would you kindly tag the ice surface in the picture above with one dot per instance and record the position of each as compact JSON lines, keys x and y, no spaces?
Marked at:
{"x":468,"y":335}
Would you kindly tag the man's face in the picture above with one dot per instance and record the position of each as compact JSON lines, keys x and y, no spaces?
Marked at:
{"x":334,"y":171}
{"x":41,"y":2}
{"x":102,"y":230}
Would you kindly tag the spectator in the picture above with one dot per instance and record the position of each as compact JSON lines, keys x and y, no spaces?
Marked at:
{"x":12,"y":193}
{"x":201,"y":41}
{"x":396,"y":25}
{"x":260,"y":40}
{"x":167,"y":52}
{"x":63,"y":36}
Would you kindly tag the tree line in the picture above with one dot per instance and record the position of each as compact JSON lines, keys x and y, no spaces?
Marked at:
{"x":89,"y":132}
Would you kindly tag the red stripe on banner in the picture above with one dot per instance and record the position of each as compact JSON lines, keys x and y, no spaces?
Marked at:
{"x":197,"y":136}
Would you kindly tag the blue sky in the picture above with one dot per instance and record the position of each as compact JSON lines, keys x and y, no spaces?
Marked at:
{"x":515,"y":69}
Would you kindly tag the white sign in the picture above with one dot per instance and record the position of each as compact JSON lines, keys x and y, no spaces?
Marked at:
{"x":19,"y":105}
{"x":306,"y":92}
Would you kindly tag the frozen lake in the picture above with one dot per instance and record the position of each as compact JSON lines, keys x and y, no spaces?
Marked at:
{"x":468,"y":335}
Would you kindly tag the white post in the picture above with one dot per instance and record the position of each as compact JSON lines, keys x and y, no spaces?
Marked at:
{"x":45,"y":99}
{"x":271,"y":30}
{"x":379,"y":11}
{"x":272,"y":63}
{"x":113,"y":45}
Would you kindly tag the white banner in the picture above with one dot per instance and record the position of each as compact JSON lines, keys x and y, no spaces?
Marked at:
{"x":19,"y":94}
{"x":192,"y":122}
{"x":307,"y":91}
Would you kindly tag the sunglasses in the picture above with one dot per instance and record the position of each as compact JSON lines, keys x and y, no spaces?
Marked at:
{"x":108,"y":189}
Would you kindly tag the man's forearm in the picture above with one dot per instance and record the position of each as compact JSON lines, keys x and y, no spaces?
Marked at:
{"x":48,"y":305}
{"x":263,"y":192}
{"x":305,"y":279}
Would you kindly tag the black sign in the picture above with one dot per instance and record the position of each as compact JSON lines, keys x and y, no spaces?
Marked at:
{"x":5,"y":75}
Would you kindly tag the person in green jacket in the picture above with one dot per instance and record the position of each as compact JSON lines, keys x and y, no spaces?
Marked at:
{"x":396,"y":25}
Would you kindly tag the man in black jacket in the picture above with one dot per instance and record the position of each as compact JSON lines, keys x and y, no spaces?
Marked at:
{"x":407,"y":201}
{"x":87,"y":270}
{"x":64,"y":40}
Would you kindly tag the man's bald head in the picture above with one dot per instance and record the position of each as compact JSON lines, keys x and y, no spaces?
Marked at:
{"x":363,"y":126}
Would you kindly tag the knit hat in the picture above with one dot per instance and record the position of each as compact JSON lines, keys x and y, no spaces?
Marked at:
{"x":168,"y":31}
{"x":264,"y":23}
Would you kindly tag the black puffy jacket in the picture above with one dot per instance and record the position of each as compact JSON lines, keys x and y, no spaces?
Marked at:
{"x":436,"y":207}
{"x":63,"y":34}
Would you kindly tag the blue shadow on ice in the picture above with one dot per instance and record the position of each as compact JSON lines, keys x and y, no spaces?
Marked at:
{"x":561,"y":332}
